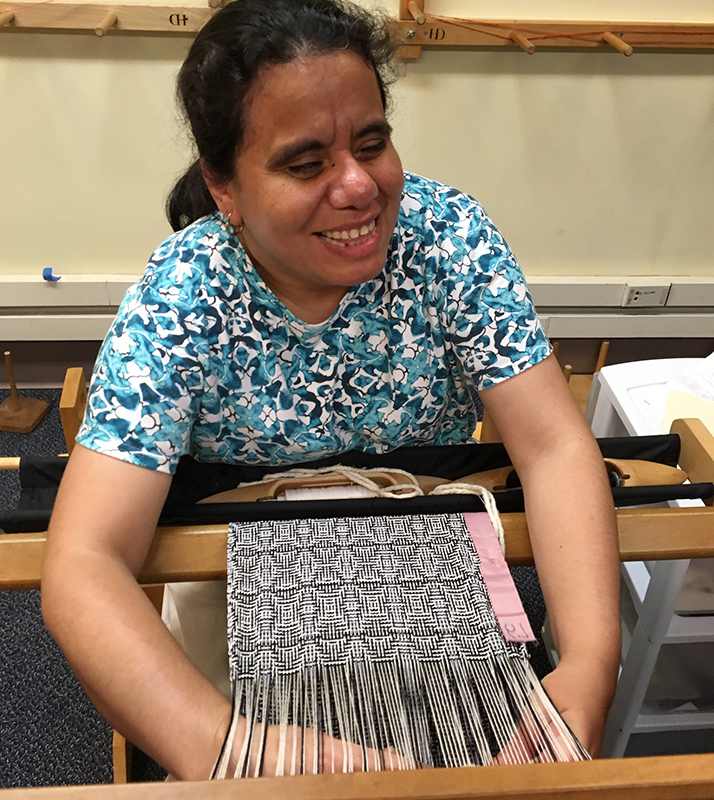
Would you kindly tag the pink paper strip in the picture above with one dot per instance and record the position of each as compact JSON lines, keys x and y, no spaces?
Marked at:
{"x":503,"y":593}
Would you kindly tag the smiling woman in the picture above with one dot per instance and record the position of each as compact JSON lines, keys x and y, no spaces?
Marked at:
{"x":318,"y":182}
{"x":314,"y":299}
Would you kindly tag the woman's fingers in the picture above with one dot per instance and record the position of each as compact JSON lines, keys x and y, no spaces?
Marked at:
{"x":538,"y":737}
{"x":294,"y":751}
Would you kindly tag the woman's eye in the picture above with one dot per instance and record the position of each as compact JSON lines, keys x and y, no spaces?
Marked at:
{"x":307,"y":170}
{"x":373,"y":149}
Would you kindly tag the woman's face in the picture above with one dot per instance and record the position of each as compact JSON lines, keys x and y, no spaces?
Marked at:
{"x":318,"y":182}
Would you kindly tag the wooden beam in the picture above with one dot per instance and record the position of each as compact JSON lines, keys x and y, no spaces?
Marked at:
{"x":689,"y":777}
{"x":199,"y":553}
{"x":414,"y":28}
{"x":178,"y":20}
{"x":442,"y":31}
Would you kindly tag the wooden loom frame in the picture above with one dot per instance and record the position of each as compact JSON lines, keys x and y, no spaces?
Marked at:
{"x":198,"y":553}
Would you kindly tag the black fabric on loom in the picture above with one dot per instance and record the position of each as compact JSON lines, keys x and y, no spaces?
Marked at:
{"x":195,"y":480}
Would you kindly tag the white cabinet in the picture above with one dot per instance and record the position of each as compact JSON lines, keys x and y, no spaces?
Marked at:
{"x":667,"y":675}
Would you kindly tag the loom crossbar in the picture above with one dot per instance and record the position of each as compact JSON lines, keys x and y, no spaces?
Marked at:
{"x":688,"y":777}
{"x":199,"y":552}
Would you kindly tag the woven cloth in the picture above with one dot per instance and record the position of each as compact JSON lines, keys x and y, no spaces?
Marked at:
{"x":378,"y":631}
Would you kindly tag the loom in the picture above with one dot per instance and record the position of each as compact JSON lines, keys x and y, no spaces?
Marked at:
{"x":378,"y":638}
{"x":197,"y":552}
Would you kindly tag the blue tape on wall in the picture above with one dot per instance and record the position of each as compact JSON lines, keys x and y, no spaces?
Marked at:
{"x":48,"y":276}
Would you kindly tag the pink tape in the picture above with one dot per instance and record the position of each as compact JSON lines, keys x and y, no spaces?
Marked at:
{"x":504,"y":597}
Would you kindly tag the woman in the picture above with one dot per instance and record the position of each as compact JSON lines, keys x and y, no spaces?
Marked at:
{"x":315,"y":300}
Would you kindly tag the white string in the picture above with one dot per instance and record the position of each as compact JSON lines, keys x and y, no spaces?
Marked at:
{"x":410,"y":488}
{"x":489,"y":503}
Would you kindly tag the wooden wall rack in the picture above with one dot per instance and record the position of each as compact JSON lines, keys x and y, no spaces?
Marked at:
{"x":417,"y":28}
{"x":103,"y":19}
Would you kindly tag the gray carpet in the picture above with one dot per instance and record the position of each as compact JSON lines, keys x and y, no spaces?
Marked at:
{"x":50,"y":734}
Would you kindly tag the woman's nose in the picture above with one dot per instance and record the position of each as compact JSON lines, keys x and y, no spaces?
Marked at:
{"x":351,"y":186}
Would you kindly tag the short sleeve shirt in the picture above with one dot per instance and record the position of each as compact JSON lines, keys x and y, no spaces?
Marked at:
{"x":203,"y":359}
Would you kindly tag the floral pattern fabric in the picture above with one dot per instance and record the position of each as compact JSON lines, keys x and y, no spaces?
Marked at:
{"x":203,"y":359}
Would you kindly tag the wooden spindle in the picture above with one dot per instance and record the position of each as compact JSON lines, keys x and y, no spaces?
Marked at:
{"x":109,"y":21}
{"x":13,"y":402}
{"x":6,"y":18}
{"x":522,"y":42}
{"x":567,"y":372}
{"x":618,"y":43}
{"x":416,"y":12}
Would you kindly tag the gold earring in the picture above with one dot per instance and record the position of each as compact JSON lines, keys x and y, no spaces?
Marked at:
{"x":232,"y":230}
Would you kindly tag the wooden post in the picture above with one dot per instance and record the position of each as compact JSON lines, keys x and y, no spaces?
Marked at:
{"x":72,"y":404}
{"x":13,"y":402}
{"x":602,"y":356}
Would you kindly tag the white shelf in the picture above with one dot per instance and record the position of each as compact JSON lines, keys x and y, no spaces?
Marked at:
{"x":629,"y":399}
{"x":674,"y":721}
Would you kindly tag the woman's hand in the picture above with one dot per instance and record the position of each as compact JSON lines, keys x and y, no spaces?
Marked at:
{"x":136,"y":674}
{"x":573,"y":532}
{"x":582,"y":693}
{"x":310,"y":752}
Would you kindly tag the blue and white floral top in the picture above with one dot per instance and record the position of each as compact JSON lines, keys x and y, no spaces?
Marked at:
{"x":203,"y":359}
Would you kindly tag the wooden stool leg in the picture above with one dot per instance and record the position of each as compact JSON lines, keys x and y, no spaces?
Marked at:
{"x":121,"y":754}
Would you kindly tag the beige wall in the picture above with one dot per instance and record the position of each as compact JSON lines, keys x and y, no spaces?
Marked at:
{"x":591,"y":163}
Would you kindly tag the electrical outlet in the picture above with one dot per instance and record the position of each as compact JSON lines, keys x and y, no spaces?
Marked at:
{"x":640,"y":295}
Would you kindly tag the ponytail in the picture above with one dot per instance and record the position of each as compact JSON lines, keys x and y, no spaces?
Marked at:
{"x":189,"y":199}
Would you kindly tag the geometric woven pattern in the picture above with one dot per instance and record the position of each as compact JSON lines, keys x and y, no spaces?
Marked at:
{"x":373,"y":638}
{"x":331,"y":591}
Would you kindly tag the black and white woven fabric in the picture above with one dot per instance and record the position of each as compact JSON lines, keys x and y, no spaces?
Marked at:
{"x":376,"y":631}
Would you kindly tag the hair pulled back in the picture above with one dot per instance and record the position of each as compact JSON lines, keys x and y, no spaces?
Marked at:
{"x":225,"y":59}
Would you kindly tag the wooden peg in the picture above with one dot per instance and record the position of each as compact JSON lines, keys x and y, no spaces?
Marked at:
{"x":416,"y":12}
{"x":618,"y":43}
{"x":109,"y":21}
{"x":567,"y":372}
{"x":6,"y":18}
{"x":19,"y":414}
{"x":602,"y":356}
{"x":522,"y":42}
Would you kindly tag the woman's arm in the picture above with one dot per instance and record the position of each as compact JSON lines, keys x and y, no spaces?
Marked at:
{"x":572,"y":527}
{"x":137,"y":675}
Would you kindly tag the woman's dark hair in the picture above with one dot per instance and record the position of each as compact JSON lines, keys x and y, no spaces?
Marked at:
{"x":225,"y":59}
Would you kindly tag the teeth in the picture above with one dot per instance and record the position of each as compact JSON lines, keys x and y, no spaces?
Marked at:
{"x":338,"y":237}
